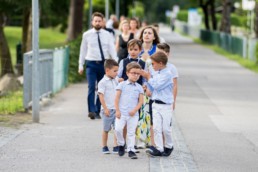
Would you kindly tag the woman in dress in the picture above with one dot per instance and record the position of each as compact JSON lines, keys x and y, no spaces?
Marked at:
{"x":150,"y":39}
{"x":122,"y":40}
{"x":134,"y":26}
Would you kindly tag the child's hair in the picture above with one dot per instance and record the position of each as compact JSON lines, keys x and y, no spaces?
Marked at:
{"x":134,"y":42}
{"x":132,"y":65}
{"x":160,"y":57}
{"x":164,"y":46}
{"x":110,"y":63}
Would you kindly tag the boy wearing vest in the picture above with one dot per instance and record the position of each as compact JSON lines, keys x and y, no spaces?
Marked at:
{"x":134,"y":47}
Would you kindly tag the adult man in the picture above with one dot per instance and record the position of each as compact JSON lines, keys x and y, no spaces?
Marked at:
{"x":96,"y":46}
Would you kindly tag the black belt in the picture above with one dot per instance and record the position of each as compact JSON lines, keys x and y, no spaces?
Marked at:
{"x":159,"y":102}
{"x":93,"y":61}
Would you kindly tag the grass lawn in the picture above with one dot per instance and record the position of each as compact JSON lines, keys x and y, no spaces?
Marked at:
{"x":11,"y":105}
{"x":48,"y":39}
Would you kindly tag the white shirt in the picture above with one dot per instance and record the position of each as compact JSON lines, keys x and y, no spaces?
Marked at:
{"x":90,"y":47}
{"x":107,"y":86}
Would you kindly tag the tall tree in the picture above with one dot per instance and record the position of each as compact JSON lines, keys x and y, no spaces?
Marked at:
{"x":256,"y":19}
{"x":208,"y":8}
{"x":225,"y":19}
{"x":6,"y":62}
{"x":75,"y":19}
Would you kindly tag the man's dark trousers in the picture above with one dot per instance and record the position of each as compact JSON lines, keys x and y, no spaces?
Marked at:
{"x":94,"y":72}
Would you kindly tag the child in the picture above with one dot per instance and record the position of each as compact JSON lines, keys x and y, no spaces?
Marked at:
{"x":134,"y":48}
{"x":164,"y":47}
{"x":129,"y":99}
{"x":106,"y":91}
{"x":160,"y":84}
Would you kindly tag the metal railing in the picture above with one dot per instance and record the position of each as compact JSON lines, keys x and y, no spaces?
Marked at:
{"x":53,"y":73}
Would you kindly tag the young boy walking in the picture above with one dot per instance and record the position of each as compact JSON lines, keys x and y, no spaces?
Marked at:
{"x":107,"y":91}
{"x":128,"y":101}
{"x":161,"y":86}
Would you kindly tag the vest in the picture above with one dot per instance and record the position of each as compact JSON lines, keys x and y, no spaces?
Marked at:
{"x":126,"y":61}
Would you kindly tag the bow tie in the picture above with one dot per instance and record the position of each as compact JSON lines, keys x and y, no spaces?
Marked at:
{"x":134,"y":60}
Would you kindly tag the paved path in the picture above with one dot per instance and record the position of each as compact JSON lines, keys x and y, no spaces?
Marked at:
{"x":214,"y":128}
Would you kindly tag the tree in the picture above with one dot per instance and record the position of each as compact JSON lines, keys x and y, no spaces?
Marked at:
{"x":208,"y":8}
{"x":75,"y":19}
{"x":256,"y":19}
{"x":6,"y":62}
{"x":225,"y":19}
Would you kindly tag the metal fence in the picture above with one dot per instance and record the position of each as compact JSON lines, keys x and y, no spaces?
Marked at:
{"x":53,"y":73}
{"x":242,"y":46}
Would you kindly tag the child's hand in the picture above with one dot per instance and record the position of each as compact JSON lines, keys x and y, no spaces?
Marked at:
{"x":145,"y":55}
{"x":144,"y":87}
{"x":106,"y":112}
{"x":148,"y":92}
{"x":120,"y":79}
{"x":145,"y":74}
{"x":132,"y":112}
{"x":118,"y":114}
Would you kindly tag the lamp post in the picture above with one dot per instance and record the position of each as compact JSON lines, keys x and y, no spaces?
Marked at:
{"x":35,"y":61}
{"x":90,"y":12}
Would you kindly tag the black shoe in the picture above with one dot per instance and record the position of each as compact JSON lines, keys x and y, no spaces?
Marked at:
{"x":167,"y":151}
{"x":97,"y":116}
{"x":132,"y":155}
{"x":121,"y":150}
{"x":136,"y":149}
{"x":154,"y":152}
{"x":91,"y":115}
{"x":151,"y":148}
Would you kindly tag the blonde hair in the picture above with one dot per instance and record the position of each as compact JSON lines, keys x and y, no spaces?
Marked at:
{"x":122,"y":23}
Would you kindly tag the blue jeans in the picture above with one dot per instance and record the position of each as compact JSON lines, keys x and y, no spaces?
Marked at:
{"x":94,"y":73}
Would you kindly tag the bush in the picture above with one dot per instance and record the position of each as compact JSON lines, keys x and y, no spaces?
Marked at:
{"x":182,"y":15}
{"x":74,"y":57}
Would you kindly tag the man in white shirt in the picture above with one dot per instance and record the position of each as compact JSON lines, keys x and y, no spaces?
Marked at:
{"x":96,"y":46}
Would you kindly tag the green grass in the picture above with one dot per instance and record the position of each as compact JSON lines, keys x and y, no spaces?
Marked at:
{"x":48,"y":38}
{"x":11,"y":102}
{"x":243,"y":62}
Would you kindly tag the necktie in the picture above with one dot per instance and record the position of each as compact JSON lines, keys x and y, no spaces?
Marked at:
{"x":100,"y":48}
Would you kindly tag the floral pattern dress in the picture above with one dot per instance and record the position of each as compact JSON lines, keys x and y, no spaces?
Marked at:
{"x":143,"y":134}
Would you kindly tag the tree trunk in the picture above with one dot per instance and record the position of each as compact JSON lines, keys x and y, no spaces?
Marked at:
{"x":27,"y":30}
{"x":206,"y":13}
{"x":6,"y":62}
{"x":213,"y":15}
{"x":225,"y":20}
{"x":75,"y":19}
{"x":256,"y":20}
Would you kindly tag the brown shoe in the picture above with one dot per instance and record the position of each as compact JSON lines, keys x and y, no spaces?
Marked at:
{"x":91,"y":115}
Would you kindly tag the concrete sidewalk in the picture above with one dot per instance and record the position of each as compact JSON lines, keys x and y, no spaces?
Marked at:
{"x":214,"y":128}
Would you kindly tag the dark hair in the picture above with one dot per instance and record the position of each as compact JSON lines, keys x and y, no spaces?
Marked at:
{"x":155,"y":25}
{"x":137,"y":22}
{"x":132,"y":65}
{"x":110,"y":63}
{"x":164,"y":46}
{"x":156,"y":40}
{"x":134,"y":42}
{"x":159,"y":57}
{"x":116,"y":24}
{"x":97,"y":14}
